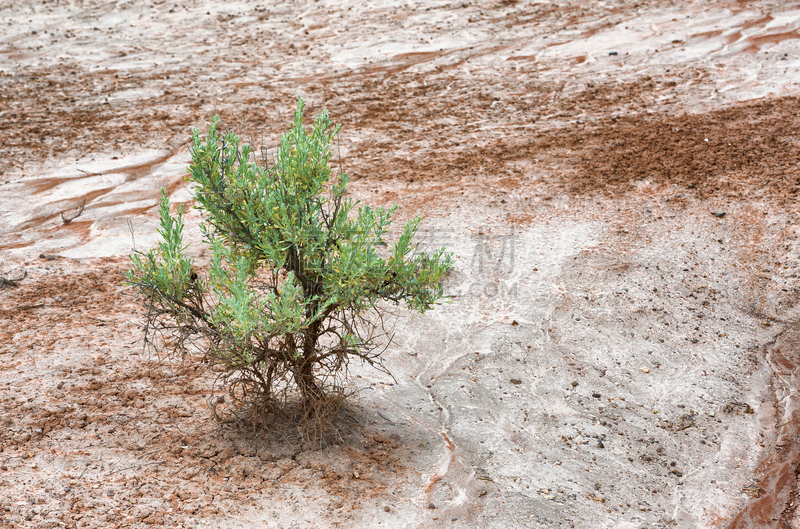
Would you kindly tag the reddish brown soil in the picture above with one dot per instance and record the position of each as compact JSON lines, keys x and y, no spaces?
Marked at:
{"x":598,"y":135}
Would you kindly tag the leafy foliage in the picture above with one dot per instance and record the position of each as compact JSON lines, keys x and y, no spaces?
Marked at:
{"x":299,"y":272}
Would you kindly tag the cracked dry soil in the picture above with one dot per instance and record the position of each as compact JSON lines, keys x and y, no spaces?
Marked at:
{"x":619,"y":183}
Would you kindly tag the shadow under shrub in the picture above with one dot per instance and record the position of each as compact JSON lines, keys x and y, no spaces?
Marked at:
{"x":299,"y":280}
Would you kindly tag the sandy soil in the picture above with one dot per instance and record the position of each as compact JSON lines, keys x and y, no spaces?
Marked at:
{"x":618,"y":180}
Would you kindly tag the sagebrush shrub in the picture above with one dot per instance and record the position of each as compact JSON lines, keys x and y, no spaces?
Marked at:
{"x":299,"y":274}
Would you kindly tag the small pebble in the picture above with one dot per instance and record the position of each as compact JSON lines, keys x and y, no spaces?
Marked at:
{"x":645,"y":370}
{"x":431,"y":506}
{"x":596,"y":395}
{"x":386,"y":508}
{"x":574,"y":383}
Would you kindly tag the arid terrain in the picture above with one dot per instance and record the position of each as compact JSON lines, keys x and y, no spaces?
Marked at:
{"x":619,"y":182}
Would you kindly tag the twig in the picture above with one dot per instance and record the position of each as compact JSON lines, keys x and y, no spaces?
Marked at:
{"x":184,"y":466}
{"x":73,"y":217}
{"x":785,"y":423}
{"x":136,"y":466}
{"x":26,"y":307}
{"x":93,"y":318}
{"x":386,"y":418}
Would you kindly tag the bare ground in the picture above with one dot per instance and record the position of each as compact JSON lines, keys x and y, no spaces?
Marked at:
{"x":651,"y":192}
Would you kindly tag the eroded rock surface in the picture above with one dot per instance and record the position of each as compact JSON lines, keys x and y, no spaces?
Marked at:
{"x":618,"y":181}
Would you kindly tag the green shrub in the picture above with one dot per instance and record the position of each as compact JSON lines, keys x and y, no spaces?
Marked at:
{"x":299,"y":277}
